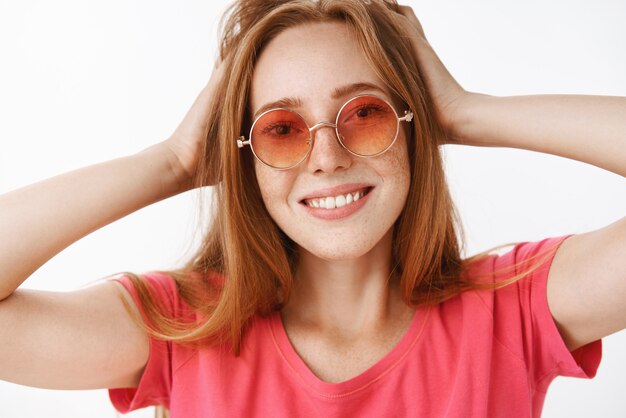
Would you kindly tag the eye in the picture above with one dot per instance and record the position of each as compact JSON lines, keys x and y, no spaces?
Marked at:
{"x":364,"y":113}
{"x":283,"y":129}
{"x":278,"y":129}
{"x":367,"y":110}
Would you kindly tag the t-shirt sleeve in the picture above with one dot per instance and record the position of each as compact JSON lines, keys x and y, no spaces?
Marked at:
{"x":544,"y":350}
{"x":156,"y":380}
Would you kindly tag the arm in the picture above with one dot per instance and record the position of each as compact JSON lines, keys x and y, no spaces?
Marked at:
{"x":39,"y":221}
{"x":587,"y":279}
{"x":590,"y":129}
{"x":84,"y":339}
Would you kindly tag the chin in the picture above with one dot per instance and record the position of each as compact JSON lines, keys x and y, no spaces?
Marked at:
{"x":340,"y":249}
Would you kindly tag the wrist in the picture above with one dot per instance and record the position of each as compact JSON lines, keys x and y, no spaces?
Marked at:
{"x":464,"y":118}
{"x":174,"y":179}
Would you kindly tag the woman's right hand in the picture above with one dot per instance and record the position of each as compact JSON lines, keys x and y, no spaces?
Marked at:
{"x":184,"y":145}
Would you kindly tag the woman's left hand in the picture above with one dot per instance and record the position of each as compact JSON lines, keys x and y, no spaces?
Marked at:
{"x":583,"y":128}
{"x":448,"y":95}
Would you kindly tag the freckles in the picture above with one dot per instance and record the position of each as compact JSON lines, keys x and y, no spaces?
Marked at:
{"x":275,"y":188}
{"x":397,"y":162}
{"x":267,"y":179}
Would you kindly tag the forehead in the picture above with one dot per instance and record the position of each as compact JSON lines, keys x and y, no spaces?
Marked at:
{"x":310,"y":61}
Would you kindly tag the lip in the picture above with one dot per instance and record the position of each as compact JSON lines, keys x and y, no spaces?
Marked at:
{"x":338,"y":213}
{"x":337,"y":190}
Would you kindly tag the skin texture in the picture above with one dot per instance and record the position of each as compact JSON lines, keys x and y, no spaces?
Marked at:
{"x":341,"y":284}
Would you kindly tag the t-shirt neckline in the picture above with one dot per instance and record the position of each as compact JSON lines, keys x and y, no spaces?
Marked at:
{"x":355,"y":384}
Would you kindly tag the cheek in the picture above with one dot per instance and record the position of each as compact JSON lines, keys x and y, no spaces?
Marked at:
{"x":397,"y":165}
{"x":398,"y":179}
{"x":274,"y":186}
{"x":264,"y":179}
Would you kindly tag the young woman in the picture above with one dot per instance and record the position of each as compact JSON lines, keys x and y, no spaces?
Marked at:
{"x":330,"y":282}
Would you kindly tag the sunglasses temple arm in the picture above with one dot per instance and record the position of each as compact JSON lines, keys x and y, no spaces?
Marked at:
{"x":242,"y":142}
{"x":408,"y":116}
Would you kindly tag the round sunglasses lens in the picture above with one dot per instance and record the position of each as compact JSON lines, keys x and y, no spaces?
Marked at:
{"x":367,"y":125}
{"x":280,"y":138}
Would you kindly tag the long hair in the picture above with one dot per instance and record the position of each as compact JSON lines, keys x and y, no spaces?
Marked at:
{"x":245,"y":264}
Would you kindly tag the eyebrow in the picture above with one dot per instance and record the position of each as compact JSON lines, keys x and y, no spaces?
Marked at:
{"x":338,"y":92}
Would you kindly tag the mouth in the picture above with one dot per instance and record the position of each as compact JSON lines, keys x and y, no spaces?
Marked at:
{"x":337,"y":201}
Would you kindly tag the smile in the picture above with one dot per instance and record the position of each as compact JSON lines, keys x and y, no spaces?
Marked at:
{"x":332,"y":202}
{"x":334,"y":208}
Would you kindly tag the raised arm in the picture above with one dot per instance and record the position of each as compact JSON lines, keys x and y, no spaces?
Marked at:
{"x":84,"y":339}
{"x":587,"y":279}
{"x":39,"y":221}
{"x":590,"y":129}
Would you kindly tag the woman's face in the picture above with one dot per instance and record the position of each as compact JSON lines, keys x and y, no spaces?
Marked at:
{"x":310,"y":62}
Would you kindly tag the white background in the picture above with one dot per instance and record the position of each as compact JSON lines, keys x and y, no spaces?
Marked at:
{"x":84,"y":82}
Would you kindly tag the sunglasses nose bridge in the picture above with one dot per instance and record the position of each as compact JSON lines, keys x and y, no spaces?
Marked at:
{"x":321,"y":125}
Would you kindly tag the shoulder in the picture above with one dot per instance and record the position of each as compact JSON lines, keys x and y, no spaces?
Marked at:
{"x":512,"y":297}
{"x":518,"y":313}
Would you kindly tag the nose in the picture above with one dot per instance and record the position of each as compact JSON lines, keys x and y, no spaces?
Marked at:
{"x":327,"y":154}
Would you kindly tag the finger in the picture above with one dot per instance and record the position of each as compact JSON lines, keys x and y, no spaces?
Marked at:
{"x":409,"y":14}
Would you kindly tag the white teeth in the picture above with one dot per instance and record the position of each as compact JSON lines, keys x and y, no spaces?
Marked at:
{"x":332,"y":202}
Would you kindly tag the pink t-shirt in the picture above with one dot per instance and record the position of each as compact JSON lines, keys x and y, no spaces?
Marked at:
{"x":480,"y":354}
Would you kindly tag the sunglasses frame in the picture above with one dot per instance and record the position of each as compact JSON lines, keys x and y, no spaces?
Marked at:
{"x":242,"y":141}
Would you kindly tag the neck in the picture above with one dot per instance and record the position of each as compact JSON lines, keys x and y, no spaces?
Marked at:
{"x":353,"y":297}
